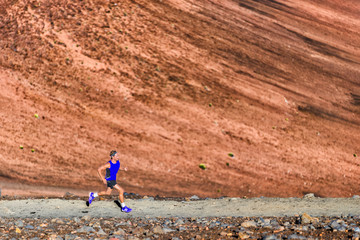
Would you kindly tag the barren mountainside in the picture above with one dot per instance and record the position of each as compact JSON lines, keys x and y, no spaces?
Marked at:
{"x":265,"y":93}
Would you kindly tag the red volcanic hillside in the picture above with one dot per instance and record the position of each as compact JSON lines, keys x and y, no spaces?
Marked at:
{"x":176,"y":83}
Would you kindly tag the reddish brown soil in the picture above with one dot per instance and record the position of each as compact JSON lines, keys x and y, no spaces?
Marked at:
{"x":171,"y":84}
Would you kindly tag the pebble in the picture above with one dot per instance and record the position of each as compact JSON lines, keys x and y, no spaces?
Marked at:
{"x":19,"y":223}
{"x":119,"y":231}
{"x":85,"y":229}
{"x":306,"y":219}
{"x":296,"y":236}
{"x":29,"y":227}
{"x":309,"y":196}
{"x":271,"y":237}
{"x":249,"y":224}
{"x":194,"y":197}
{"x":158,"y":230}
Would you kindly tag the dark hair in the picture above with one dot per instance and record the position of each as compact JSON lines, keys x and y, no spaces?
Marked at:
{"x":112,"y":153}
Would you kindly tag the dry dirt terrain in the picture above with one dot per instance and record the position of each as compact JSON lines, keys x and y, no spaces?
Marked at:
{"x":266,"y":94}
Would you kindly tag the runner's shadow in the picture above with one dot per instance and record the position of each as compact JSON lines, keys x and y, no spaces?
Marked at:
{"x":117,"y":203}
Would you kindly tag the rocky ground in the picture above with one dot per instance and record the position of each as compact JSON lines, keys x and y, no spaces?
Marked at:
{"x":296,"y":227}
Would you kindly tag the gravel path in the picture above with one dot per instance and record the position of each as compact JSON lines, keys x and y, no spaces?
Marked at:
{"x":234,"y":207}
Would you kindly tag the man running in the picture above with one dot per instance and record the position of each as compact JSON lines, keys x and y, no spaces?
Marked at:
{"x":112,"y":167}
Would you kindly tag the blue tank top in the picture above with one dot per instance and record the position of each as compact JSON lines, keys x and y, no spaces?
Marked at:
{"x":112,"y":171}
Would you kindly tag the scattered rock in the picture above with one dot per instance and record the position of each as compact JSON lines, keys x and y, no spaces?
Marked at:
{"x":119,"y":231}
{"x":309,"y":196}
{"x":29,"y":227}
{"x":296,"y":236}
{"x":55,"y":237}
{"x":158,"y":230}
{"x":223,"y":233}
{"x":306,"y":219}
{"x":179,"y":222}
{"x":70,"y":237}
{"x":243,"y":235}
{"x":101,"y":232}
{"x":86,"y":218}
{"x":181,"y":229}
{"x":194,"y":197}
{"x":167,"y":230}
{"x":138,"y":231}
{"x":86,"y":229}
{"x":338,"y":225}
{"x":249,"y":224}
{"x":295,"y":227}
{"x":270,"y":237}
{"x":19,"y":223}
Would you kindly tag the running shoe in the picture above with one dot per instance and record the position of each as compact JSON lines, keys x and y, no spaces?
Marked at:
{"x":126,"y":209}
{"x":91,"y":197}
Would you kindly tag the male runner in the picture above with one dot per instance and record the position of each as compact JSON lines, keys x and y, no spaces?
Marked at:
{"x":112,"y":167}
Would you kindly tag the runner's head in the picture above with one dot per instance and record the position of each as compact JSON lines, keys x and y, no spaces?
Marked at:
{"x":113,"y":153}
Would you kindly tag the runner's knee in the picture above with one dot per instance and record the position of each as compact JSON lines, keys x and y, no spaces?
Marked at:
{"x":120,"y":189}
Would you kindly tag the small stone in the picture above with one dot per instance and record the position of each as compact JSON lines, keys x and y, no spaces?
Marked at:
{"x":178,"y":222}
{"x":243,"y":235}
{"x":306,"y":219}
{"x":158,"y":230}
{"x":31,"y":227}
{"x":86,"y":218}
{"x":138,"y":231}
{"x":194,"y":197}
{"x":270,"y":237}
{"x":55,"y":237}
{"x":70,"y":237}
{"x":167,"y":230}
{"x":120,"y":231}
{"x":309,"y":196}
{"x":69,"y":195}
{"x":181,"y":229}
{"x":338,"y":225}
{"x":356,"y":196}
{"x":19,"y":223}
{"x":85,"y":229}
{"x":296,"y":236}
{"x":101,"y":232}
{"x":133,"y":238}
{"x":233,"y":199}
{"x":223,"y":233}
{"x":249,"y":224}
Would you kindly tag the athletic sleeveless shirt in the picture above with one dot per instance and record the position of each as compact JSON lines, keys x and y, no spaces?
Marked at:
{"x":111,"y":173}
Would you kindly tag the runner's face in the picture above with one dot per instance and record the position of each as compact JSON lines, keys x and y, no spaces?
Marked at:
{"x":116,"y":156}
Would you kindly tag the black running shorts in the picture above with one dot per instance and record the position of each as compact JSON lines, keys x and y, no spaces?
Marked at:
{"x":111,"y":183}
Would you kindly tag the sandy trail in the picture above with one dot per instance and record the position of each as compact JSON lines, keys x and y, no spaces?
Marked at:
{"x":234,"y":207}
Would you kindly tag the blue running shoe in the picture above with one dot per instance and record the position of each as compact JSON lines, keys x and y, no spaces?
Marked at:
{"x":126,"y":209}
{"x":91,"y":197}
